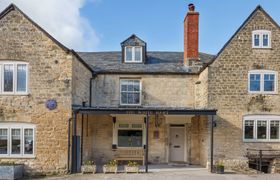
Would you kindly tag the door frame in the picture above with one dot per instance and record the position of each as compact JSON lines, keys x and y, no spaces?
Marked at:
{"x":185,"y":141}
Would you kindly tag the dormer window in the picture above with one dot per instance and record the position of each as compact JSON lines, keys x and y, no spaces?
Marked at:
{"x":133,"y":54}
{"x":133,"y":50}
{"x":261,"y":39}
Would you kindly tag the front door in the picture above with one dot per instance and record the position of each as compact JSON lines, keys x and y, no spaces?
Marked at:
{"x":177,"y":143}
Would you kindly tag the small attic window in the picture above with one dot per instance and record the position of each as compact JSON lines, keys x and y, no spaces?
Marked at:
{"x":133,"y":54}
{"x":261,"y":39}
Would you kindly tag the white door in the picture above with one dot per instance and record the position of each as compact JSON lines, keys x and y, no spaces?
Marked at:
{"x":177,"y":144}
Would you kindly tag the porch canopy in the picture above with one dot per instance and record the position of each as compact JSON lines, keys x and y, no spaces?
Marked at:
{"x":146,"y":111}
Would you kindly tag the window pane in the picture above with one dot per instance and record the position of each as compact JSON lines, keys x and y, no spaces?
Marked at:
{"x":274,"y":129}
{"x":21,"y":78}
{"x":139,"y":126}
{"x":261,"y":129}
{"x":128,"y":53}
{"x":8,"y":77}
{"x":16,"y":141}
{"x":123,"y":125}
{"x":255,"y":82}
{"x":249,"y":129}
{"x":136,"y":98}
{"x":28,"y":141}
{"x":130,"y":138}
{"x":269,"y":82}
{"x":138,"y":54}
{"x":3,"y":141}
{"x":265,"y":40}
{"x":124,"y":98}
{"x":256,"y":40}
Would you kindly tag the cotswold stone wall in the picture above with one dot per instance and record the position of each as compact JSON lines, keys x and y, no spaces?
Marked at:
{"x":157,"y":90}
{"x":228,"y":91}
{"x":80,"y":82}
{"x":50,"y":77}
{"x":201,"y":90}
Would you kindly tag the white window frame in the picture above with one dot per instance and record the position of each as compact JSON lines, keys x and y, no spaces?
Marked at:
{"x":262,"y":73}
{"x":117,"y":128}
{"x":256,"y":118}
{"x":140,"y":92}
{"x":22,"y":127}
{"x":133,"y":60}
{"x":15,"y":64}
{"x":261,"y":33}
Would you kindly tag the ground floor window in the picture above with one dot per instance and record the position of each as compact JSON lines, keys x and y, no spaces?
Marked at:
{"x":130,"y":135}
{"x":16,"y":139}
{"x":261,"y":128}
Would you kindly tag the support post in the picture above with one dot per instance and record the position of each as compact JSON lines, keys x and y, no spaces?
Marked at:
{"x":260,"y":162}
{"x":147,"y":143}
{"x":74,"y":144}
{"x":212,"y":144}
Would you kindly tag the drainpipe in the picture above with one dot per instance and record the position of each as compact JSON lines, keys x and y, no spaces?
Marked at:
{"x":69,"y":145}
{"x":82,"y":135}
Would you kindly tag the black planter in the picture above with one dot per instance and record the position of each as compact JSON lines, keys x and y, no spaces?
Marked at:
{"x":220,"y":169}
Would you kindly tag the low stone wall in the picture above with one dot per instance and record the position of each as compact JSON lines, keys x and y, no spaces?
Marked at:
{"x":274,"y":166}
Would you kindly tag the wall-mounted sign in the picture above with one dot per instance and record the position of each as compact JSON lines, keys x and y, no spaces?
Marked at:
{"x":51,"y":104}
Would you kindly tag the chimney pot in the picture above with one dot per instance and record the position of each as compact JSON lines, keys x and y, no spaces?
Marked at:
{"x":191,"y":7}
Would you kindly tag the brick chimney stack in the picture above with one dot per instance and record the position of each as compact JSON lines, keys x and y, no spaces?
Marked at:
{"x":191,"y":35}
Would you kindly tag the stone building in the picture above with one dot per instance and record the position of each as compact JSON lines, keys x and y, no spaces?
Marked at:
{"x":60,"y":108}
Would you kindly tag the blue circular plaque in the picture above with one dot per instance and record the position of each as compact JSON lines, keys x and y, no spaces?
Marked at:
{"x":51,"y":104}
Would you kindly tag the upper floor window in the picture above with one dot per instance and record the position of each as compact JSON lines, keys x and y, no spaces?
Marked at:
{"x":261,"y":39}
{"x":133,"y":54}
{"x":130,"y":92}
{"x":262,"y":81}
{"x":16,"y":140}
{"x":13,"y":77}
{"x":261,"y":128}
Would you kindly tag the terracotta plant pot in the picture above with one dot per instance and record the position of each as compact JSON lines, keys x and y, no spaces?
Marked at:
{"x":88,"y":169}
{"x":131,"y":169}
{"x":110,"y":169}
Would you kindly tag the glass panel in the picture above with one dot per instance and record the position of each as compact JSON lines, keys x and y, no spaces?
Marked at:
{"x":265,"y":40}
{"x":256,"y":40}
{"x":28,"y":141}
{"x":255,"y":82}
{"x":138,"y":54}
{"x":136,"y":98}
{"x":130,"y":138}
{"x":3,"y":141}
{"x":137,"y":126}
{"x":16,"y":141}
{"x":261,"y":129}
{"x":128,"y":54}
{"x":124,"y":98}
{"x":123,"y":125}
{"x":274,"y":129}
{"x":249,"y":129}
{"x":21,"y":78}
{"x":269,"y":82}
{"x":8,"y":77}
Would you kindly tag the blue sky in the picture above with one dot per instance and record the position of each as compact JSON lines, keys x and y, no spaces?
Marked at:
{"x":160,"y":22}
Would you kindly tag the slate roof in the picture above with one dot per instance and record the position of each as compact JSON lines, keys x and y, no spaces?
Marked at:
{"x":156,"y":63}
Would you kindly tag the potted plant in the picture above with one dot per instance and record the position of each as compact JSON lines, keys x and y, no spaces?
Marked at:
{"x":220,"y":168}
{"x":88,"y":167}
{"x":111,"y":167}
{"x":132,"y":167}
{"x":10,"y":170}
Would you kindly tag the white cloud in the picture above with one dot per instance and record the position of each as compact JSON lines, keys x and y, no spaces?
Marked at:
{"x":62,"y":19}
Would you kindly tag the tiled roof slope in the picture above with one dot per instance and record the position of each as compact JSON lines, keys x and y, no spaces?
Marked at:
{"x":157,"y":62}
